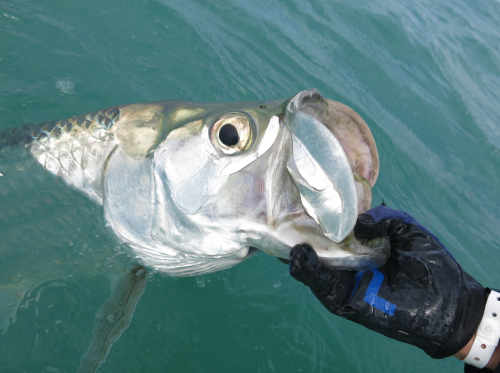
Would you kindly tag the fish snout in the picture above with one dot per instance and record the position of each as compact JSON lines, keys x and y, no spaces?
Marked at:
{"x":333,"y":162}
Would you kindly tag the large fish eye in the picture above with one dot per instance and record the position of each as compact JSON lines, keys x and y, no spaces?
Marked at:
{"x":231,"y":133}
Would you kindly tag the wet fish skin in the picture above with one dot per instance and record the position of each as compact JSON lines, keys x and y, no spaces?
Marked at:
{"x":123,"y":151}
{"x":89,"y":151}
{"x":73,"y":149}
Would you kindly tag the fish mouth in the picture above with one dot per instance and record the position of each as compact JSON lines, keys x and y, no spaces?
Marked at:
{"x":324,"y":176}
{"x":320,"y":168}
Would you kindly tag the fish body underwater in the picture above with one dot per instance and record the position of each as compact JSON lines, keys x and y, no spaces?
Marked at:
{"x":186,"y":189}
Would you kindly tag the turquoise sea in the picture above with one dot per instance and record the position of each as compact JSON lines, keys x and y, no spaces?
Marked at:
{"x":424,"y":75}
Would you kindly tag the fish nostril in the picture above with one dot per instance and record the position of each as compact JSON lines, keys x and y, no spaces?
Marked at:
{"x":228,"y":135}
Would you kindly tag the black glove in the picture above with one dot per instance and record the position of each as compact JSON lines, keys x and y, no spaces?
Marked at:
{"x":421,"y":296}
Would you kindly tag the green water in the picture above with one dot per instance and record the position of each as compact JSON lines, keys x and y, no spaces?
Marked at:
{"x":424,"y":75}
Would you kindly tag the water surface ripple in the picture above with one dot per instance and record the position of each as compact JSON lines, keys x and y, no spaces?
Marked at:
{"x":424,"y":75}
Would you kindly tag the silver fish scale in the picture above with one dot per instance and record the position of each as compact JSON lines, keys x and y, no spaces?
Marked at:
{"x":73,"y":149}
{"x":91,"y":123}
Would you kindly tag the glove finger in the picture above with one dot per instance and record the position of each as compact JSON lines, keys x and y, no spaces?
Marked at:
{"x":367,"y":227}
{"x":402,"y":229}
{"x":331,"y":286}
{"x":307,"y":267}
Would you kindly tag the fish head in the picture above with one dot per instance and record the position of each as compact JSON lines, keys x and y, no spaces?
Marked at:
{"x":195,"y":181}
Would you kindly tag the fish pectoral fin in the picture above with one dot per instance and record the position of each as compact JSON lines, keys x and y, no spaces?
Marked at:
{"x":113,"y":318}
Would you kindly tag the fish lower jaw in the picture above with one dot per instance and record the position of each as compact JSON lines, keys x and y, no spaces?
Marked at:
{"x":279,"y":241}
{"x":348,"y":254}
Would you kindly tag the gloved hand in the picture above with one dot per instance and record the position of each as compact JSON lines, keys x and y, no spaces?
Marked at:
{"x":421,"y":296}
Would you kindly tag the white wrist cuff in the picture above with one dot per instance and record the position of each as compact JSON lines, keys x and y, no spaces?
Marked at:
{"x":487,"y":334}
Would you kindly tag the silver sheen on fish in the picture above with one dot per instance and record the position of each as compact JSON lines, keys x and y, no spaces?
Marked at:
{"x":187,"y":189}
{"x":193,"y":188}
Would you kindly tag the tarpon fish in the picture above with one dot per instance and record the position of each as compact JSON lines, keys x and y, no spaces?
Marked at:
{"x":192,"y":188}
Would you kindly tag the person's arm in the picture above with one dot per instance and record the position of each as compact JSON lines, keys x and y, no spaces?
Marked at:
{"x":491,"y":365}
{"x":421,"y":296}
{"x":460,"y":355}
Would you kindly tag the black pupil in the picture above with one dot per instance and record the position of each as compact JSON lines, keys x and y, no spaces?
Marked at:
{"x":228,"y":135}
